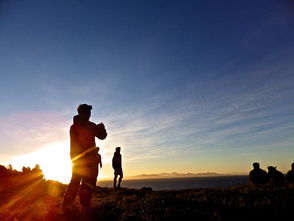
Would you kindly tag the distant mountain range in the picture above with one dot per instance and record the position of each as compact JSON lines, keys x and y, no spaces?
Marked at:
{"x":172,"y":175}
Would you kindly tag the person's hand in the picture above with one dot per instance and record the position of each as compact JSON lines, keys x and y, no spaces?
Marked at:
{"x":101,"y":131}
{"x":101,"y":125}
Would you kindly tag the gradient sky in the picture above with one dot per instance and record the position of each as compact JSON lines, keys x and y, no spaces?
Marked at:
{"x":186,"y":86}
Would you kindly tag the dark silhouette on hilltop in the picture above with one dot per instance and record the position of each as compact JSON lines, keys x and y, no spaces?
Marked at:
{"x":26,"y":169}
{"x":276,"y":177}
{"x":84,"y":156}
{"x":19,"y":190}
{"x":257,"y":175}
{"x":116,"y":165}
{"x":290,"y":174}
{"x":10,"y":178}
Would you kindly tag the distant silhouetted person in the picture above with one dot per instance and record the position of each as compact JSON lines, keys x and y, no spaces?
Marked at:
{"x":84,"y":156}
{"x":290,"y":174}
{"x":276,"y":177}
{"x":257,"y":175}
{"x":116,"y":165}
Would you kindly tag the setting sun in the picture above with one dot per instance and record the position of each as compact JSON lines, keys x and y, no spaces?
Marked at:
{"x":55,"y":162}
{"x":53,"y":159}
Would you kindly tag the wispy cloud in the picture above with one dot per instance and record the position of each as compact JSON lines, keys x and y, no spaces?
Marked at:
{"x":26,"y":132}
{"x":252,"y":112}
{"x":236,"y":117}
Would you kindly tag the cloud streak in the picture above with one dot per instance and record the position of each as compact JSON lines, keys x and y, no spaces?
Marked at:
{"x":26,"y":132}
{"x":257,"y":115}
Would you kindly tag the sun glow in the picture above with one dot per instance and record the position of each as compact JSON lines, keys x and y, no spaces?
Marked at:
{"x":53,"y":159}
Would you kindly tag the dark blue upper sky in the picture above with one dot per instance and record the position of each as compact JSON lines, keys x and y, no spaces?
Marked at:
{"x":191,"y":78}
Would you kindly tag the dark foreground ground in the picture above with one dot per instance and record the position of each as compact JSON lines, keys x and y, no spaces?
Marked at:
{"x":40,"y":201}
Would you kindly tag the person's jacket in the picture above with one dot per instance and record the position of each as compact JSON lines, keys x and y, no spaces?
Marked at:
{"x":82,"y":140}
{"x":116,"y":161}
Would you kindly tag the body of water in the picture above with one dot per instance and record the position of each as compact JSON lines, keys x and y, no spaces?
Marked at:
{"x":180,"y":183}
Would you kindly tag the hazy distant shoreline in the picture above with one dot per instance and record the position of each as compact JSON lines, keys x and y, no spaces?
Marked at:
{"x":180,"y":183}
{"x":174,"y":175}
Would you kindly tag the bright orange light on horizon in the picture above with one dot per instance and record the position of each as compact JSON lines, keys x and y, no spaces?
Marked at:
{"x":53,"y":159}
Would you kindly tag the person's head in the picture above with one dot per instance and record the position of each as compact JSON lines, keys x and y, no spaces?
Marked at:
{"x":292,"y":165}
{"x":271,"y":169}
{"x":117,"y":149}
{"x":84,"y":111}
{"x":256,"y":165}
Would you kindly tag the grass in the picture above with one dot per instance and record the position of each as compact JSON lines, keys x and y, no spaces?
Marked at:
{"x":40,"y":201}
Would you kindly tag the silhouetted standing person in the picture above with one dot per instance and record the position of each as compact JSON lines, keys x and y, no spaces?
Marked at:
{"x":290,"y":174}
{"x":257,"y":175}
{"x":276,"y":177}
{"x":84,"y":156}
{"x":116,"y":165}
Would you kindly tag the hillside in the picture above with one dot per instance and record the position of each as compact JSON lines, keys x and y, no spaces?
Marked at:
{"x":27,"y":196}
{"x":40,"y":201}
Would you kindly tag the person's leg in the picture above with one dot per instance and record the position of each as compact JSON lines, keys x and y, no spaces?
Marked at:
{"x":71,"y":190}
{"x":114,"y":181}
{"x":88,"y":185}
{"x":120,"y":179}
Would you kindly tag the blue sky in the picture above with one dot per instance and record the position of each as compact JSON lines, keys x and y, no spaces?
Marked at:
{"x":181,"y":85}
